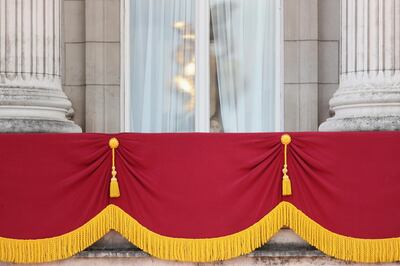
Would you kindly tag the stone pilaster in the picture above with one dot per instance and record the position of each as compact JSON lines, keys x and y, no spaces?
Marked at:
{"x":368,"y":97}
{"x":31,"y":96}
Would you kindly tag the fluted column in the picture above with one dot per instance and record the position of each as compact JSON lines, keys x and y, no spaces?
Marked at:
{"x":31,"y":96}
{"x":368,"y":97}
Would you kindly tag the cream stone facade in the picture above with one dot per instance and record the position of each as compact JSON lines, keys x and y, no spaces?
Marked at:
{"x":93,"y":48}
{"x":89,"y":34}
{"x":57,"y":52}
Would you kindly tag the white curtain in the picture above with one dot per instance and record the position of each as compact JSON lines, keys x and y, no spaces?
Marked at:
{"x":162,"y":54}
{"x":245,"y":46}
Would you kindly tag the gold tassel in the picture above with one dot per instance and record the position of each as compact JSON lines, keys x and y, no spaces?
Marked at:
{"x":286,"y":184}
{"x":114,"y":187}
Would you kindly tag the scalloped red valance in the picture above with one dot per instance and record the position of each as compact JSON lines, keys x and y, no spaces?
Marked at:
{"x":199,"y":197}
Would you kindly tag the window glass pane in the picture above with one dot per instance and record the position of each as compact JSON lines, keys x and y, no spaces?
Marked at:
{"x":243,"y":65}
{"x":162,"y":68}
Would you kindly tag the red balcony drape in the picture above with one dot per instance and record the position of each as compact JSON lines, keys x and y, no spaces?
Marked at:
{"x":200,"y":197}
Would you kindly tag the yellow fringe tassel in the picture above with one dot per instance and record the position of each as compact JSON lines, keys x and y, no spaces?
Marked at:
{"x":286,"y":184}
{"x":200,"y":250}
{"x":114,"y":187}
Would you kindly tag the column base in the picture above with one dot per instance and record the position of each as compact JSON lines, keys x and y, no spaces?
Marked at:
{"x":34,"y":105}
{"x":37,"y":126}
{"x":361,"y":124}
{"x":366,"y":101}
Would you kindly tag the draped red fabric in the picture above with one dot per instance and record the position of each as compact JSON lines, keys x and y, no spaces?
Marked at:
{"x":51,"y":184}
{"x":193,"y":185}
{"x":348,"y":182}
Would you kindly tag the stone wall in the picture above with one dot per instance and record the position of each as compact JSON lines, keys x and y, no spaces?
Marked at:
{"x":73,"y":66}
{"x":328,"y":54}
{"x":92,"y":62}
{"x":311,"y":54}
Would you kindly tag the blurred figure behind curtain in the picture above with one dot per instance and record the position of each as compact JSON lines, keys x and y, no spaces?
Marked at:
{"x":245,"y":34}
{"x":162,"y":65}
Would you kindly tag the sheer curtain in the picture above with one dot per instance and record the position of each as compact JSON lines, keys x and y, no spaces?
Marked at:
{"x":245,"y":47}
{"x":162,"y":65}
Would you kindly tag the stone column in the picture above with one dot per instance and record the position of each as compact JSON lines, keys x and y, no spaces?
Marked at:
{"x":31,"y":96}
{"x":368,"y":97}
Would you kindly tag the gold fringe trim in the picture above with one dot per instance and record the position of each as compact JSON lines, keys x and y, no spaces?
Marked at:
{"x":200,"y":250}
{"x":59,"y":247}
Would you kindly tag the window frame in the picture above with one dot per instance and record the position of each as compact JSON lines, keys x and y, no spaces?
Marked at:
{"x":202,"y":78}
